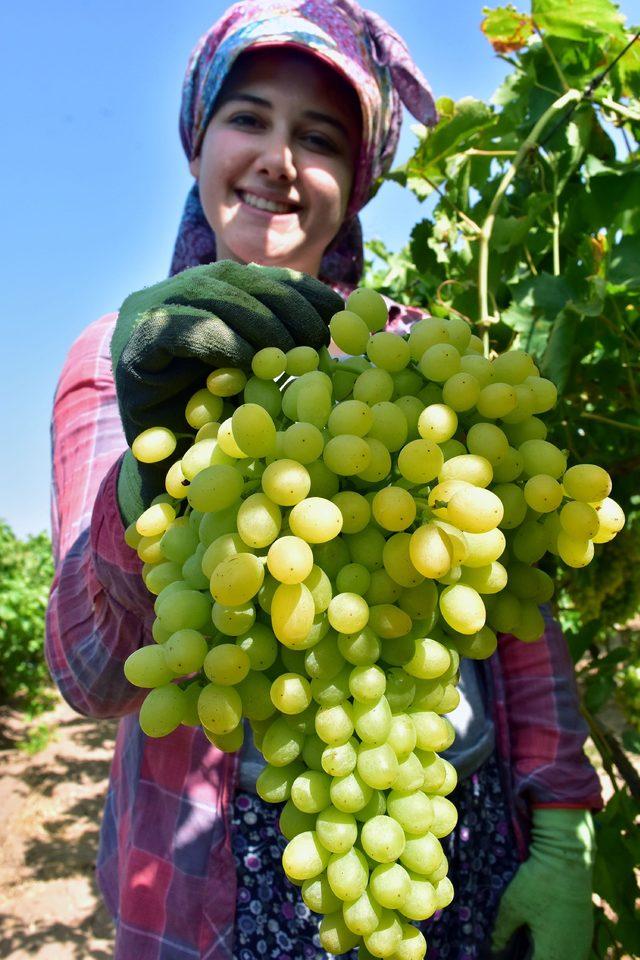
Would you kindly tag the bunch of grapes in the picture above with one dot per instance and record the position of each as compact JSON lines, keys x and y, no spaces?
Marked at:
{"x":339,"y":534}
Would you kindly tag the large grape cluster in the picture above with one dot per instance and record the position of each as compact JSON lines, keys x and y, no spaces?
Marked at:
{"x":339,"y":534}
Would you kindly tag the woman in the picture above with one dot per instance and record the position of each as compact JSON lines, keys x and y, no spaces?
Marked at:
{"x":290,"y":112}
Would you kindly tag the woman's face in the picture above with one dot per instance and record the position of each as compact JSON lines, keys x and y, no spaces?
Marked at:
{"x":277,"y":161}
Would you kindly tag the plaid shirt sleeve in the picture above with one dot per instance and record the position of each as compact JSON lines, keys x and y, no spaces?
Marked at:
{"x":545,"y":727}
{"x":99,"y":610}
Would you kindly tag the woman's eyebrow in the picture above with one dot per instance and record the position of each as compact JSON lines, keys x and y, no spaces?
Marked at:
{"x":310,"y":114}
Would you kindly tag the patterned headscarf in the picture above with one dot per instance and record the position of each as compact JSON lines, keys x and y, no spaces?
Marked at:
{"x":362,"y":47}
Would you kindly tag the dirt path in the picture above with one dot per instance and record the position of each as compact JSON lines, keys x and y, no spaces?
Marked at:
{"x":51,"y":803}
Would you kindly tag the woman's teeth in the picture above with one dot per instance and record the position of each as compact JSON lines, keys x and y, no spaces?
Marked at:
{"x":261,"y":204}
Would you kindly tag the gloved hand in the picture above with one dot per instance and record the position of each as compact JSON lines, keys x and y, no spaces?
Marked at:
{"x":170,"y":335}
{"x":551,"y":891}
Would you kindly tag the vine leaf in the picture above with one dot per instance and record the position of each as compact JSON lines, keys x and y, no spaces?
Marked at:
{"x":579,"y":20}
{"x":506,"y":29}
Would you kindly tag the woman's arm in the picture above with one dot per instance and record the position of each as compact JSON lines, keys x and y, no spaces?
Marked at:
{"x":545,"y":728}
{"x":99,"y":609}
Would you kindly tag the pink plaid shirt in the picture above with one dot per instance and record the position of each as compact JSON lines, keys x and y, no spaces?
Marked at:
{"x":165,"y":864}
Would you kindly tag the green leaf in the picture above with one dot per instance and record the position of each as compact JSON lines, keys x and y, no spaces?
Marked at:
{"x":579,"y":20}
{"x":631,"y":740}
{"x":506,"y":29}
{"x":624,"y":266}
{"x":509,"y":232}
{"x":559,"y":356}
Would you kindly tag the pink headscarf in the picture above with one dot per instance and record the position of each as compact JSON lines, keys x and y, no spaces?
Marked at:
{"x":362,"y":47}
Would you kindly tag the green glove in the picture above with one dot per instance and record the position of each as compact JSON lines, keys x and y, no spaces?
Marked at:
{"x":551,"y":891}
{"x":169,"y":336}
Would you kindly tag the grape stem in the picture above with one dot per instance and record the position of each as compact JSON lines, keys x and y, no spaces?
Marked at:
{"x":612,"y":423}
{"x":530,"y":142}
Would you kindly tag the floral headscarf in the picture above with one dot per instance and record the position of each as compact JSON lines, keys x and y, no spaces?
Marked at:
{"x":362,"y":47}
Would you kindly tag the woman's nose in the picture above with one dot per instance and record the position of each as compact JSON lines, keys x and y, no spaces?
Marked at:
{"x":277,"y":160}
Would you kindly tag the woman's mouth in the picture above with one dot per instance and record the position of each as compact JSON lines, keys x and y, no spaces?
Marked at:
{"x":273,"y":207}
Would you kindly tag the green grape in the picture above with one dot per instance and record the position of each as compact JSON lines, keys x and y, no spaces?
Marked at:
{"x":161,"y":575}
{"x":260,"y":645}
{"x":513,"y":366}
{"x":407,"y":382}
{"x":530,"y":542}
{"x":155,"y":520}
{"x":378,"y":765}
{"x":422,"y":854}
{"x":394,"y":508}
{"x":202,"y":408}
{"x":514,"y":504}
{"x":354,"y":509}
{"x":162,"y":710}
{"x":379,"y":463}
{"x":291,"y":693}
{"x":185,"y":651}
{"x":411,"y":407}
{"x":348,"y":613}
{"x":334,"y":723}
{"x":315,"y":520}
{"x":509,"y":468}
{"x":264,"y":394}
{"x":349,"y":332}
{"x":348,"y":874}
{"x":318,"y":895}
{"x":255,"y":693}
{"x":437,"y":423}
{"x":373,"y":386}
{"x":215,"y":488}
{"x":179,"y":541}
{"x":425,"y":333}
{"x":148,"y":667}
{"x":269,"y":363}
{"x":366,"y":548}
{"x":444,"y":893}
{"x":190,"y":716}
{"x":226,"y":381}
{"x":274,"y":783}
{"x":340,"y":759}
{"x":400,"y":691}
{"x":324,"y":483}
{"x":387,"y":936}
{"x":372,"y":721}
{"x":420,"y":602}
{"x":530,"y":625}
{"x":359,"y":648}
{"x":388,"y":351}
{"x":293,"y":821}
{"x":183,"y":609}
{"x":540,"y":456}
{"x":410,"y":774}
{"x":369,"y":305}
{"x":237,"y":579}
{"x":233,"y":621}
{"x":336,"y":829}
{"x":304,"y":857}
{"x":150,"y":550}
{"x":432,"y":731}
{"x":462,"y":608}
{"x":475,"y":510}
{"x":389,"y":621}
{"x":487,"y":440}
{"x":587,"y":482}
{"x":301,"y":360}
{"x":153,"y":445}
{"x":574,"y":552}
{"x":468,"y":467}
{"x":430,"y":551}
{"x":420,"y":901}
{"x":413,"y":810}
{"x":303,"y":443}
{"x":213,"y":525}
{"x":611,"y":520}
{"x":444,"y":816}
{"x":334,"y":934}
{"x":290,"y":560}
{"x":383,"y":588}
{"x":399,"y":566}
{"x":363,"y":915}
{"x":292,"y":614}
{"x":525,"y":404}
{"x":352,"y":417}
{"x":259,"y":520}
{"x":439,"y":362}
{"x":224,"y":547}
{"x":420,"y":461}
{"x":219,"y":708}
{"x":310,"y":791}
{"x":542,"y":493}
{"x":346,"y":455}
{"x":389,"y":425}
{"x":461,"y":391}
{"x":430,"y":660}
{"x":496,"y":400}
{"x":389,"y":884}
{"x":350,"y":793}
{"x":478,"y":367}
{"x":354,"y":578}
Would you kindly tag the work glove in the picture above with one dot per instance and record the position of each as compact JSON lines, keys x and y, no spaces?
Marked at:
{"x":169,"y":336}
{"x":551,"y":891}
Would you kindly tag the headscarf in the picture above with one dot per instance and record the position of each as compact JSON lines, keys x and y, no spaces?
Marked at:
{"x":363,"y":48}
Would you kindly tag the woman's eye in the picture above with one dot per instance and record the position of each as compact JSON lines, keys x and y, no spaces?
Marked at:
{"x":320,"y":142}
{"x":244,"y":120}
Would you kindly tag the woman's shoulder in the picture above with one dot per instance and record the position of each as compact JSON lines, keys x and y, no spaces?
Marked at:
{"x":89,"y":356}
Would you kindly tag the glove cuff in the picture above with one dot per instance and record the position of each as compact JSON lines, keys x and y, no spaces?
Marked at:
{"x":130,"y":489}
{"x":564,"y":832}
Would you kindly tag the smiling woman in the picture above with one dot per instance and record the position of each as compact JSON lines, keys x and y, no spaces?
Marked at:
{"x":277,"y":162}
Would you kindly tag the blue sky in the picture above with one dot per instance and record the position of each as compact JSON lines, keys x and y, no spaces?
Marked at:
{"x":93,"y":179}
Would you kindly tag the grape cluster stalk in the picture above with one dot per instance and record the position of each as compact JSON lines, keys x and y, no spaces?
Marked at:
{"x":339,"y":534}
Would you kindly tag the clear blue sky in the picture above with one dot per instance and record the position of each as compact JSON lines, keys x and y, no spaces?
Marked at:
{"x":93,"y":179}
